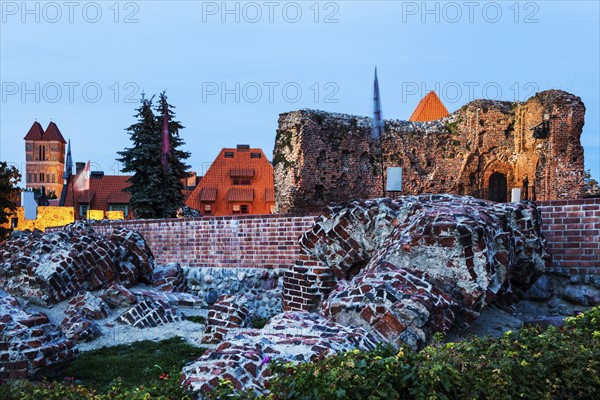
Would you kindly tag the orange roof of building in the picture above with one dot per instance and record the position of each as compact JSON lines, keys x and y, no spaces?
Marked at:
{"x":35,"y":132}
{"x":221,"y":186}
{"x":104,"y":191}
{"x":53,"y":133}
{"x":429,"y":108}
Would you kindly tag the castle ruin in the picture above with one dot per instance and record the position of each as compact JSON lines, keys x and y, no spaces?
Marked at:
{"x":484,"y":150}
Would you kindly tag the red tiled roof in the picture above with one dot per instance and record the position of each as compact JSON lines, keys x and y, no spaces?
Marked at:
{"x":104,"y":190}
{"x":208,"y":194}
{"x":270,"y":195}
{"x":85,"y":196}
{"x":53,"y":133}
{"x":35,"y":132}
{"x":219,"y":179}
{"x":241,"y":173}
{"x":240,"y":195}
{"x":429,"y":108}
{"x":119,"y":198}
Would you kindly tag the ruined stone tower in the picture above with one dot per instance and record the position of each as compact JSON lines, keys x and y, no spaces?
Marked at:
{"x":484,"y":149}
{"x":44,"y":158}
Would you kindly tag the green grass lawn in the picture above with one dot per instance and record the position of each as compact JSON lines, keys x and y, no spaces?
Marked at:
{"x":136,"y":364}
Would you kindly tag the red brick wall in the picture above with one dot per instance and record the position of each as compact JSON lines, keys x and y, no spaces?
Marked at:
{"x":572,"y":229}
{"x":262,"y":241}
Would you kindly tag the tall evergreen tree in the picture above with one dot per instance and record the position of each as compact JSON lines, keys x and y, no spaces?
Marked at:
{"x":9,"y":192}
{"x":155,"y":191}
{"x":176,"y":170}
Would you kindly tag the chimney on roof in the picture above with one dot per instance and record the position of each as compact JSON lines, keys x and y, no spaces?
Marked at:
{"x":243,"y":147}
{"x":79,"y":166}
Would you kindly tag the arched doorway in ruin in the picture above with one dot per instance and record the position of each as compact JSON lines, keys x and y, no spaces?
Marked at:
{"x":497,"y":181}
{"x":498,"y":187}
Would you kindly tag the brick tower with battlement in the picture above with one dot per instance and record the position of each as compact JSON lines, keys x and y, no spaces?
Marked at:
{"x":44,"y":158}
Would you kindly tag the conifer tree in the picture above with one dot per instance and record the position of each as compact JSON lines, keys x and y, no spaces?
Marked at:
{"x":155,"y":191}
{"x":177,"y":169}
{"x":9,"y":192}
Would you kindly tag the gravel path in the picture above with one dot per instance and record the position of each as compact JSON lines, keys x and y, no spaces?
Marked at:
{"x":114,"y":333}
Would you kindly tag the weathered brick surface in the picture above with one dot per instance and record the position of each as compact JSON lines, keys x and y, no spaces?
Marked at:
{"x":226,"y":314}
{"x":244,"y":355}
{"x":28,"y":342}
{"x":322,"y":157}
{"x":48,"y":268}
{"x":414,"y":266}
{"x":169,"y":278}
{"x":255,"y":241}
{"x":149,"y":313}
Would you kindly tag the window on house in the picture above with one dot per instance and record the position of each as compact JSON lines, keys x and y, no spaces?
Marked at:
{"x":272,"y":208}
{"x":41,"y":177}
{"x":244,"y":209}
{"x":48,"y":178}
{"x":242,"y":182}
{"x":229,"y":154}
{"x":29,"y":177}
{"x":28,"y":147}
{"x":208,"y":209}
{"x":236,"y":209}
{"x":35,"y":178}
{"x":119,"y":207}
{"x":53,"y":178}
{"x":83,"y":210}
{"x":254,"y":155}
{"x":29,"y":158}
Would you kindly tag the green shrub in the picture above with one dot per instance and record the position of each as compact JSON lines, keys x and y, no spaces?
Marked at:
{"x":167,"y":387}
{"x":557,"y":363}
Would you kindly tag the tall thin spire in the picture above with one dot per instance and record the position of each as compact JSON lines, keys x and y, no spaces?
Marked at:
{"x":68,"y":163}
{"x":377,"y":129}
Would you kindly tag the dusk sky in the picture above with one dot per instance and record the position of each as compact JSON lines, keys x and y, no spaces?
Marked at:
{"x":231,"y":68}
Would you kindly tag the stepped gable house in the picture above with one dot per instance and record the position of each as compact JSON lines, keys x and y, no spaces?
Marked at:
{"x":484,"y":149}
{"x":44,"y":158}
{"x":239,"y":181}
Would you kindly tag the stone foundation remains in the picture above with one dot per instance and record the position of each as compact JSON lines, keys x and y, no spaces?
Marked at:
{"x":408,"y":268}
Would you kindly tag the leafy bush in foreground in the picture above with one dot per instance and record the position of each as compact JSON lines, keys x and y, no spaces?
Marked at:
{"x":558,"y":363}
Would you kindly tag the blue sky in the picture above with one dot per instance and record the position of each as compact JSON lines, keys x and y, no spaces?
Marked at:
{"x":232,"y":67}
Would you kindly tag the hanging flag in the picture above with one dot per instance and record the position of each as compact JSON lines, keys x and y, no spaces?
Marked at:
{"x":165,"y":146}
{"x":377,"y":129}
{"x":82,"y":181}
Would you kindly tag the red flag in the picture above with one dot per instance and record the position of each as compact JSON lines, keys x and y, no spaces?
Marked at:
{"x":165,"y":146}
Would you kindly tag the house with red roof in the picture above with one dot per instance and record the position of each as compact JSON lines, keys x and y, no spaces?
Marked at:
{"x":99,"y":192}
{"x":239,"y":181}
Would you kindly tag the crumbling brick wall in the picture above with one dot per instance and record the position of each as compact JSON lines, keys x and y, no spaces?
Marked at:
{"x":322,"y":157}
